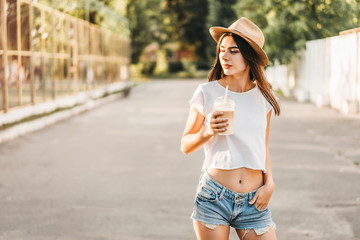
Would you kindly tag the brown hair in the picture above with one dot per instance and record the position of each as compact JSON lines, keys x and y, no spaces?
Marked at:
{"x":256,"y":71}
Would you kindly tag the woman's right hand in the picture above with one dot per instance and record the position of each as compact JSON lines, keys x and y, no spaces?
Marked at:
{"x":217,"y":124}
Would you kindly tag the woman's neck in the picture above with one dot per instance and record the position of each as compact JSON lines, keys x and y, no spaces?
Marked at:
{"x":238,"y":83}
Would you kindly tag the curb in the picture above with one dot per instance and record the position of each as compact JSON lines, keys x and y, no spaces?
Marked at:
{"x":37,"y":124}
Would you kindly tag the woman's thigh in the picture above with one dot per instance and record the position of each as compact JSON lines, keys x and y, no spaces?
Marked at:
{"x":251,"y":235}
{"x":220,"y":232}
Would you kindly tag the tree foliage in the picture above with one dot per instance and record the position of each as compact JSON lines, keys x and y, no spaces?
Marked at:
{"x":144,"y":25}
{"x":288,"y":24}
{"x":221,"y":13}
{"x":189,"y":19}
{"x":99,"y":12}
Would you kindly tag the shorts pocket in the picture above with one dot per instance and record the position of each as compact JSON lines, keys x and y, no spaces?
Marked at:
{"x":205,"y":193}
{"x":259,"y":209}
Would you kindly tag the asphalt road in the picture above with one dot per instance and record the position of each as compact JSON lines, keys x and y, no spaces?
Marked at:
{"x":117,"y":172}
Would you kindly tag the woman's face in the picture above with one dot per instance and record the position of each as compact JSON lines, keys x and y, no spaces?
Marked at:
{"x":231,"y":59}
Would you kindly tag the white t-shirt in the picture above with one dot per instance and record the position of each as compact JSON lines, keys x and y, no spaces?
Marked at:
{"x":246,"y":147}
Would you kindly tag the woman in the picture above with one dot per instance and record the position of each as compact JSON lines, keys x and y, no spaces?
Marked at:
{"x":236,"y":185}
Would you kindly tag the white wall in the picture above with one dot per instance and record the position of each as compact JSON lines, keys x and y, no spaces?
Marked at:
{"x":327,"y":73}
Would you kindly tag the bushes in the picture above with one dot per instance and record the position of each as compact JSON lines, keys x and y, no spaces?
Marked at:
{"x":170,"y":69}
{"x":178,"y":66}
{"x":148,"y":67}
{"x":175,"y":66}
{"x":203,"y":65}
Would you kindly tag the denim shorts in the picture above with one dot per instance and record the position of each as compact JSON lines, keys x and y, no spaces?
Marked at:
{"x":216,"y":205}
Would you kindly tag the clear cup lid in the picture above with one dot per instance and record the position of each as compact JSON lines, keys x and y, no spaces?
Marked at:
{"x":219,"y":103}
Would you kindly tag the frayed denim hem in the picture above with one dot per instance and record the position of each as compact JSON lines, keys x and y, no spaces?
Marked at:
{"x":260,"y":231}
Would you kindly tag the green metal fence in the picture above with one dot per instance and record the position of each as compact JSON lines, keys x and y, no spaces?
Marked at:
{"x":46,"y":54}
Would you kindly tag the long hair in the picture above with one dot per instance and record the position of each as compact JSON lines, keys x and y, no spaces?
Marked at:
{"x":256,"y":71}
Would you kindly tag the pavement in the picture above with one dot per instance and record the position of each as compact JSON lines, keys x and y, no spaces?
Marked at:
{"x":117,"y":172}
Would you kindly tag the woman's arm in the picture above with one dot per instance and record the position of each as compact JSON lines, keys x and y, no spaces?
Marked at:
{"x":194,"y":135}
{"x":263,"y":195}
{"x":268,"y":179}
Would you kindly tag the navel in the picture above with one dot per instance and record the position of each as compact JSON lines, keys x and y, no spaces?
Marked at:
{"x":240,"y":181}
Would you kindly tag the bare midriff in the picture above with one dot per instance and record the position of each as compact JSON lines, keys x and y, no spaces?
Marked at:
{"x":240,"y":180}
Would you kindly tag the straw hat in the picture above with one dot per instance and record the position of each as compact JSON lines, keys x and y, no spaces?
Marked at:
{"x":248,"y":31}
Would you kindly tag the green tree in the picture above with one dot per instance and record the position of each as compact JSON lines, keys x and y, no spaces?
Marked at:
{"x":288,"y":24}
{"x":102,"y":13}
{"x":221,"y":13}
{"x":189,"y":19}
{"x":145,"y":26}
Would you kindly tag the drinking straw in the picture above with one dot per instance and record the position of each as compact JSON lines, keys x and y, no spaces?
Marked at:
{"x":226,"y":91}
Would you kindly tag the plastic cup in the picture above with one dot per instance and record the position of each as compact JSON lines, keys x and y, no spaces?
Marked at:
{"x":228,"y":108}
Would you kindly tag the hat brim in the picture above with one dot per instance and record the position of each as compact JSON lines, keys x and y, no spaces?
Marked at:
{"x":217,"y":32}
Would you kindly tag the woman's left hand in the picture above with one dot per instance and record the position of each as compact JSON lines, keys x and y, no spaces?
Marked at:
{"x":262,"y":197}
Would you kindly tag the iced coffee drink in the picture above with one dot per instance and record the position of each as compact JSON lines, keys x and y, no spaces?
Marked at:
{"x":227,"y":106}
